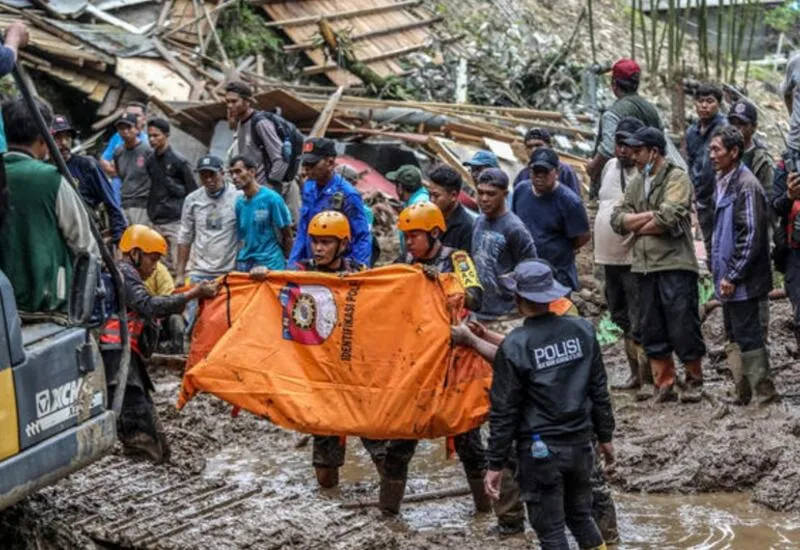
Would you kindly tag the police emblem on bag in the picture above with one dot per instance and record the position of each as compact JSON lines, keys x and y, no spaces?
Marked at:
{"x":309,"y":313}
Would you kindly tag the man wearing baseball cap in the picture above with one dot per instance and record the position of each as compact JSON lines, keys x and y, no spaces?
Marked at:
{"x":656,"y":210}
{"x":326,"y":189}
{"x":408,"y":180}
{"x":625,"y":77}
{"x":549,"y":395}
{"x":479,"y":162}
{"x":536,"y":138}
{"x":129,"y":163}
{"x":554,"y":215}
{"x":208,"y":228}
{"x":93,"y":185}
{"x":744,"y":116}
{"x":613,"y":252}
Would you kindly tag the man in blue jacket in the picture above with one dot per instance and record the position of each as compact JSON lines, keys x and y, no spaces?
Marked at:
{"x":740,"y":264}
{"x":325,"y":189}
{"x":93,"y":185}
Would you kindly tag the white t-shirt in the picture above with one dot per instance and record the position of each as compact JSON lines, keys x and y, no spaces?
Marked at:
{"x":610,"y":248}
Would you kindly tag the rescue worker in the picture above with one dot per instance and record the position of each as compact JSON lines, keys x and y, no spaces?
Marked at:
{"x":549,"y":395}
{"x":93,"y":185}
{"x":139,"y":428}
{"x":708,"y":99}
{"x":657,"y":209}
{"x":423,"y":225}
{"x":329,"y":232}
{"x":486,"y":342}
{"x":325,"y":189}
{"x":740,"y":264}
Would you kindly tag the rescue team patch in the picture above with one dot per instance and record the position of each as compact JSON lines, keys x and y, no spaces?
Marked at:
{"x":554,"y":355}
{"x":465,"y":270}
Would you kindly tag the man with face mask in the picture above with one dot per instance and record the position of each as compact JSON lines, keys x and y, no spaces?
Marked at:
{"x":140,"y":431}
{"x":656,"y":210}
{"x":93,"y":185}
{"x":208,"y":228}
{"x":614,"y":253}
{"x":264,"y":224}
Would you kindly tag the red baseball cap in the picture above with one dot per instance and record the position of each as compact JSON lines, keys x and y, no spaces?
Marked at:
{"x":625,"y":68}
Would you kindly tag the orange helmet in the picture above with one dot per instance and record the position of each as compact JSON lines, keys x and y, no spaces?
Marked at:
{"x":422,"y":216}
{"x":329,"y":223}
{"x":144,"y":238}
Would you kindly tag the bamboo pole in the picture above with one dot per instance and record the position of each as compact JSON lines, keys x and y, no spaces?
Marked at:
{"x":753,"y":18}
{"x":719,"y":43}
{"x":644,"y":35}
{"x":591,"y":32}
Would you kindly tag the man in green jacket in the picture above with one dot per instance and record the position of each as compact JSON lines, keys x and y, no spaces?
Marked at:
{"x":47,"y":225}
{"x":656,"y":212}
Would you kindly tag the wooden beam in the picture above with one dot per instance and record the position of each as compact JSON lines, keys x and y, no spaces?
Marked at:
{"x":319,"y":69}
{"x":370,"y":34}
{"x":324,"y":119}
{"x":217,"y":41}
{"x":310,"y":19}
{"x":198,"y":18}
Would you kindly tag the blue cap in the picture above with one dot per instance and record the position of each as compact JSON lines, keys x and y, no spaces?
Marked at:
{"x":533,"y":280}
{"x":483,"y":158}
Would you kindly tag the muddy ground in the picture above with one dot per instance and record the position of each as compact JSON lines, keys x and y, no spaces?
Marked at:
{"x":244,"y":483}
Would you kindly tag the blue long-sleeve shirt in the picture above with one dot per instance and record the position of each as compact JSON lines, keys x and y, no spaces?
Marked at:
{"x":94,"y":187}
{"x":339,"y":195}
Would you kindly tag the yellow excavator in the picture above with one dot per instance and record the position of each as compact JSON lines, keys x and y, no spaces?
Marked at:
{"x":55,"y":417}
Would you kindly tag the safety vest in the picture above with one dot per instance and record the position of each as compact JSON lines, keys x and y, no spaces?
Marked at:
{"x":110,"y":337}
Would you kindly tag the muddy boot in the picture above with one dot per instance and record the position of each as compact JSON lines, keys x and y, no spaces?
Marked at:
{"x":328,"y":478}
{"x":648,"y":389}
{"x":634,"y":381}
{"x":756,"y":369}
{"x":391,"y":495}
{"x":740,"y":381}
{"x":142,"y":444}
{"x":692,"y":389}
{"x":763,"y":317}
{"x":479,"y":497}
{"x":664,"y":377}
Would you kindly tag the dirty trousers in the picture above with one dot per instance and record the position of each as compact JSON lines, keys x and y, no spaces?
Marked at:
{"x":510,"y":511}
{"x":469,"y":448}
{"x":743,"y":324}
{"x":329,"y":450}
{"x":669,"y":317}
{"x":558,"y":491}
{"x":137,"y":405}
{"x":622,"y":297}
{"x":791,"y":282}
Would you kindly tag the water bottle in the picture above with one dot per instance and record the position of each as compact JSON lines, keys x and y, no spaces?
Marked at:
{"x":539,"y":449}
{"x":287,"y":149}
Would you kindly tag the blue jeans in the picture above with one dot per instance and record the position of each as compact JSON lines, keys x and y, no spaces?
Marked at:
{"x":191,"y":308}
{"x":558,"y":492}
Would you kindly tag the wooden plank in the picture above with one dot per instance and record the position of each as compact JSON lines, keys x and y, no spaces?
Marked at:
{"x":370,"y":34}
{"x":318,"y":69}
{"x":180,"y":68}
{"x":324,"y":119}
{"x":194,"y":20}
{"x":110,"y":101}
{"x":436,"y":146}
{"x":99,"y":93}
{"x":153,"y":77}
{"x":383,"y":8}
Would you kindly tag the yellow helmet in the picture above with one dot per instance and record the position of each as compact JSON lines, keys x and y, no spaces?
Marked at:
{"x":422,"y":216}
{"x":144,"y":238}
{"x":329,"y":223}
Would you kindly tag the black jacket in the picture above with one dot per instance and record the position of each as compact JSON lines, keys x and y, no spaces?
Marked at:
{"x":459,"y":230}
{"x":95,"y":189}
{"x":549,"y":380}
{"x":171,"y":180}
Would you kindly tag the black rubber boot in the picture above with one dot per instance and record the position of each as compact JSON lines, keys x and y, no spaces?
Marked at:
{"x":391,"y":495}
{"x":328,"y":478}
{"x":479,"y":497}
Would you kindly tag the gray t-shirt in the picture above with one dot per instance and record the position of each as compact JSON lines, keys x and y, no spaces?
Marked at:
{"x":790,"y":86}
{"x":209,"y":225}
{"x":130,"y":164}
{"x":498,"y":245}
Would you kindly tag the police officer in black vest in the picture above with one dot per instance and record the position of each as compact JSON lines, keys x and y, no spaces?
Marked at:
{"x":550,"y":395}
